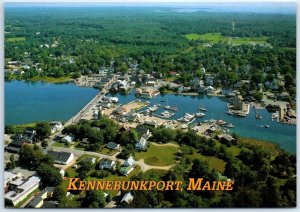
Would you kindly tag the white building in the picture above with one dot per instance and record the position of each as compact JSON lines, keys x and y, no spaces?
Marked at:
{"x":24,"y":188}
{"x":141,"y":144}
{"x":129,"y":162}
{"x":127,"y":198}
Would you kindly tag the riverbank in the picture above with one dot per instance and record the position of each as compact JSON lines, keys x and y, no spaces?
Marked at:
{"x":42,"y":79}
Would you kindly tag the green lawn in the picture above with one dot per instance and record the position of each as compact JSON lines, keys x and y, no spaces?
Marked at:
{"x":59,"y":144}
{"x":249,"y":40}
{"x":217,"y":37}
{"x":211,"y":37}
{"x":52,"y":79}
{"x":20,"y":128}
{"x":159,"y":155}
{"x":213,"y":162}
{"x":104,"y":150}
{"x":16,"y":39}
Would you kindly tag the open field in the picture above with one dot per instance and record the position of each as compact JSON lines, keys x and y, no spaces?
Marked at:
{"x":217,"y":37}
{"x":16,"y":39}
{"x":211,"y":37}
{"x":250,"y":40}
{"x":159,"y":155}
{"x":52,"y":79}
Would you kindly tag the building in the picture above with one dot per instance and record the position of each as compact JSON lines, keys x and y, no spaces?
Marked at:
{"x":10,"y":176}
{"x":107,"y":164}
{"x":142,"y":144}
{"x":38,"y":201}
{"x":226,"y":138}
{"x":67,"y":139}
{"x":114,"y":146}
{"x":127,"y":198}
{"x":129,"y":162}
{"x":61,"y":157}
{"x":147,"y":134}
{"x":55,"y":126}
{"x":16,"y":145}
{"x":21,"y":189}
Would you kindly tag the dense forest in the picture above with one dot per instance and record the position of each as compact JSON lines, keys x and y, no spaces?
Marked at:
{"x":59,"y":42}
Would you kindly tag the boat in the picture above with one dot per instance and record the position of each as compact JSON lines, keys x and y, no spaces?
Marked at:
{"x":267,"y":126}
{"x":228,"y":112}
{"x":202,"y":109}
{"x":229,"y":125}
{"x":257,"y":116}
{"x":199,"y":115}
{"x":167,"y":114}
{"x":241,"y":115}
{"x":221,"y":122}
{"x":162,"y":100}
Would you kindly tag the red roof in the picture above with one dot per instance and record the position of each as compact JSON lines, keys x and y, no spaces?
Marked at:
{"x":173,"y":72}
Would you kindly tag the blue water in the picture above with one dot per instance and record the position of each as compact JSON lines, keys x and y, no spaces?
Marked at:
{"x":281,"y":134}
{"x":27,"y":102}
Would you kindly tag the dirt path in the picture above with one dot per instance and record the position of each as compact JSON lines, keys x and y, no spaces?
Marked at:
{"x":166,"y":144}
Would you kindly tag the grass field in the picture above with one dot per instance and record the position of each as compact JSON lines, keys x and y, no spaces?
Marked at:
{"x":250,"y":40}
{"x":213,"y":162}
{"x":211,"y":37}
{"x":158,"y":155}
{"x":16,"y":39}
{"x":104,"y":150}
{"x":52,"y":79}
{"x":217,"y":37}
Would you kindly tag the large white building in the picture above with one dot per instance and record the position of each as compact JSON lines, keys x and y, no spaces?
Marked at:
{"x":21,"y":188}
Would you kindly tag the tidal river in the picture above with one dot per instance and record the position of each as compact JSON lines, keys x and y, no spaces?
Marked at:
{"x":281,"y":134}
{"x":27,"y":102}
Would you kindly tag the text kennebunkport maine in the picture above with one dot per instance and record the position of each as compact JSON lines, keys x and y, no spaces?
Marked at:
{"x":193,"y":184}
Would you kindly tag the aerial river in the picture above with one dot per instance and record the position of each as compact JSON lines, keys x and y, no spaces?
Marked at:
{"x":27,"y":102}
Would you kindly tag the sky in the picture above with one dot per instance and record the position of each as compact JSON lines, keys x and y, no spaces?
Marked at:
{"x":190,"y":6}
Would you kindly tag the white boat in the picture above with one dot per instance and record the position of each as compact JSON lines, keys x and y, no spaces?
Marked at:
{"x":202,"y":109}
{"x":267,"y":126}
{"x":199,"y":115}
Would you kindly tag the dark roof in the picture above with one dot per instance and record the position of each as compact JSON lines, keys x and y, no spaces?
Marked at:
{"x":35,"y":201}
{"x":112,"y":145}
{"x":59,"y":156}
{"x":50,"y":204}
{"x":17,"y":143}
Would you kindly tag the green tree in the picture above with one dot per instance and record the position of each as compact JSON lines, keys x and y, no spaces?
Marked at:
{"x":50,"y":175}
{"x":43,"y":130}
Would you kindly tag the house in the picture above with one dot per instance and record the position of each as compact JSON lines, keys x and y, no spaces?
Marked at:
{"x":29,"y":135}
{"x":38,"y":201}
{"x":129,"y":162}
{"x":125,"y":170}
{"x":22,"y":190}
{"x":142,"y":144}
{"x":147,"y":134}
{"x":209,"y":80}
{"x":55,"y":126}
{"x":107,"y":164}
{"x":198,"y":85}
{"x":226,"y":138}
{"x":209,"y":89}
{"x":127,"y":198}
{"x":228,"y":93}
{"x":120,"y":111}
{"x":16,"y":145}
{"x":112,"y":145}
{"x":61,"y":157}
{"x":67,"y":139}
